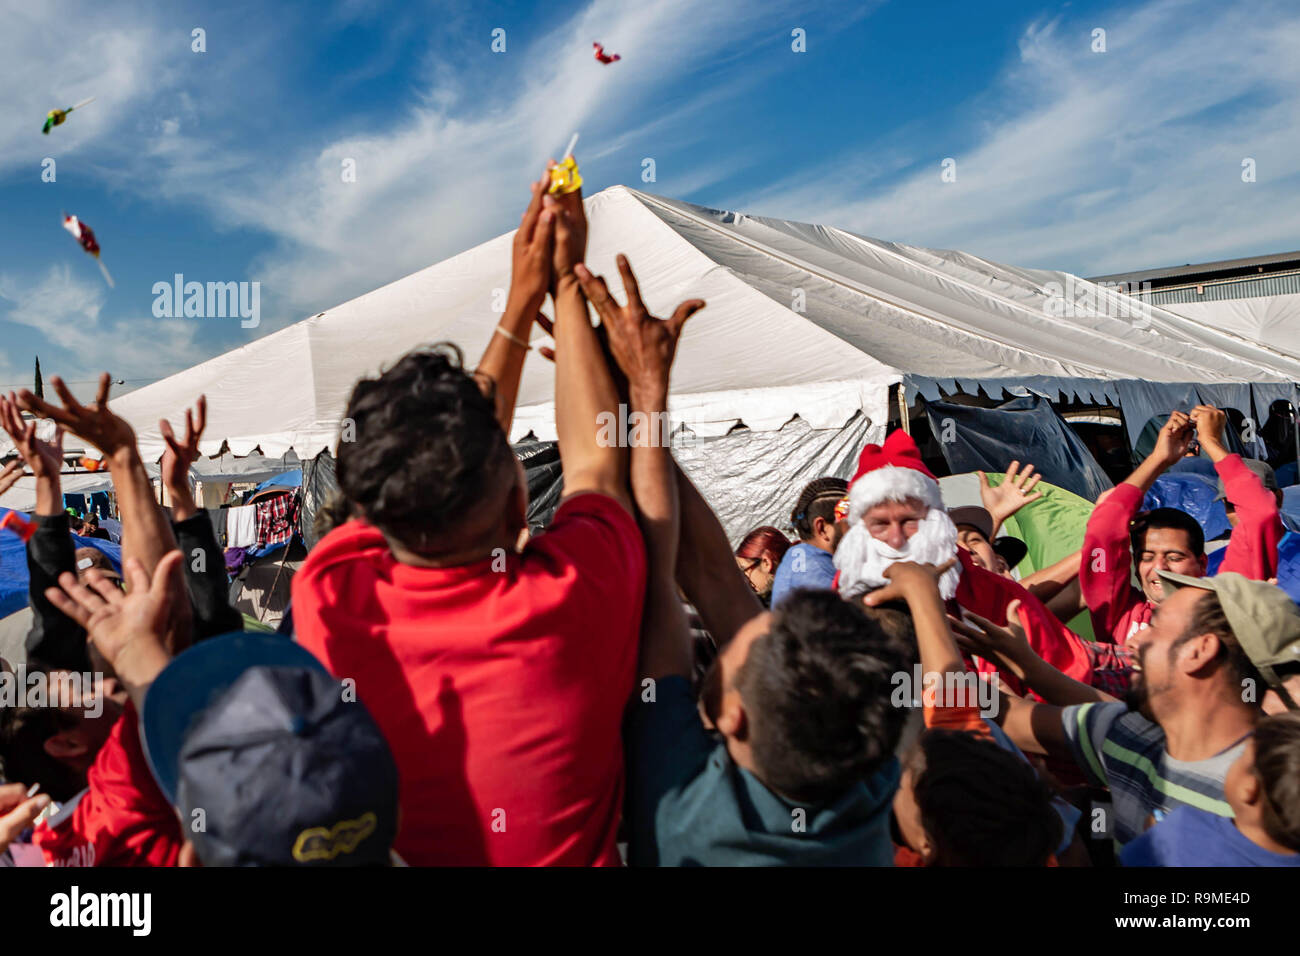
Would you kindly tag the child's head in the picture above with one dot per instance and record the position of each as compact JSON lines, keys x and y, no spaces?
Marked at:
{"x":1263,"y":786}
{"x":964,"y":801}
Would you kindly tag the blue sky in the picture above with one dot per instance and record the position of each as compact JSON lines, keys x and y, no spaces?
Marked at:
{"x":225,"y":165}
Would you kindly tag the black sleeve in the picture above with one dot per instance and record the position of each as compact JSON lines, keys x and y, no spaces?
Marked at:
{"x":55,"y":640}
{"x":205,"y":578}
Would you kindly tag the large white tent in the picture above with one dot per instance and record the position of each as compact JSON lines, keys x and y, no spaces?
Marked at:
{"x":802,"y":320}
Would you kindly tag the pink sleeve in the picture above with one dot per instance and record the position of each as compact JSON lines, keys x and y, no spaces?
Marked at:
{"x":1104,"y":570}
{"x":1252,"y":549}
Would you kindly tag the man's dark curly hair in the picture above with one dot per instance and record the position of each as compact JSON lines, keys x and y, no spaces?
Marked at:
{"x":817,"y":689}
{"x":427,"y":448}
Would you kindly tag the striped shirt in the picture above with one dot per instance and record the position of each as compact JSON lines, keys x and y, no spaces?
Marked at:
{"x":1120,"y":749}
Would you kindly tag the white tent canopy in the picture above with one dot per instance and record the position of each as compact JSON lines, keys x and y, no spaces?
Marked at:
{"x":801,"y":320}
{"x":1273,"y":320}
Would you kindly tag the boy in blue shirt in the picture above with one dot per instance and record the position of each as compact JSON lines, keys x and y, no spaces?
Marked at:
{"x":1263,"y":789}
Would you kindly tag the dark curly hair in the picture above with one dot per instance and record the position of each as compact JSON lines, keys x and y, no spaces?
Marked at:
{"x":982,"y":805}
{"x":427,"y":449}
{"x":816,"y":689}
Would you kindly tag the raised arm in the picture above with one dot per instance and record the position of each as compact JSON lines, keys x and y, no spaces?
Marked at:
{"x":707,"y":570}
{"x":203,"y":566}
{"x":146,"y":533}
{"x":1107,"y":558}
{"x":644,"y":346}
{"x":1252,"y":548}
{"x":918,"y":585}
{"x":1009,"y":647}
{"x":530,"y":276}
{"x":52,"y":638}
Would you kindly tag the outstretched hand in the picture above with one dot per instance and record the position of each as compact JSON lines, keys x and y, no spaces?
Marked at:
{"x":532,"y":252}
{"x":981,"y":637}
{"x":129,"y":629}
{"x":1175,"y":438}
{"x":908,"y":579}
{"x":10,"y":474}
{"x":642,"y":345}
{"x":45,"y":459}
{"x":94,"y":422}
{"x":1014,"y":492}
{"x":180,"y":455}
{"x":570,"y":231}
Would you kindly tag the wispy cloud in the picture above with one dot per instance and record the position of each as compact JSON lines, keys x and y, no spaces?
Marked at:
{"x":67,"y":308}
{"x":1096,"y":162}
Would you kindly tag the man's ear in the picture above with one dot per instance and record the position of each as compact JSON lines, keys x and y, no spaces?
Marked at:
{"x":66,"y":745}
{"x":1199,"y":652}
{"x":1203,"y":562}
{"x":821,"y":529}
{"x":732,"y":721}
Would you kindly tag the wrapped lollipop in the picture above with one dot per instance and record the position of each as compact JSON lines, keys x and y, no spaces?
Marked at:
{"x":56,"y":117}
{"x":565,"y":177}
{"x":86,"y":236}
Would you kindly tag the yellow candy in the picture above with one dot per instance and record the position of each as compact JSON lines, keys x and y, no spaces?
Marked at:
{"x":565,"y":177}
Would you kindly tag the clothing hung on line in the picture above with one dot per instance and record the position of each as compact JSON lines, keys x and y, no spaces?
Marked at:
{"x":241,"y":527}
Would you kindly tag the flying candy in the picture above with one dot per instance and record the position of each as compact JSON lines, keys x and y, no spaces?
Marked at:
{"x":56,"y":117}
{"x":565,"y":177}
{"x":84,"y":235}
{"x":604,"y":57}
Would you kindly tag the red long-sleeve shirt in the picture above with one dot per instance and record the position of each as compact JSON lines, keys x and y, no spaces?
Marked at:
{"x":121,"y":818}
{"x":1119,"y":609}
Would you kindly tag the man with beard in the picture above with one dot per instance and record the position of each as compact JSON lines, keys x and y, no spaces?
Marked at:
{"x":896,"y":513}
{"x":1212,"y":646}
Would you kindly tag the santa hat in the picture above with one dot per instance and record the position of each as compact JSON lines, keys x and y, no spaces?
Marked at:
{"x":893,"y":471}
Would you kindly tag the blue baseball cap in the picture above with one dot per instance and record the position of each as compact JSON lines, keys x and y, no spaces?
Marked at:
{"x":270,"y":760}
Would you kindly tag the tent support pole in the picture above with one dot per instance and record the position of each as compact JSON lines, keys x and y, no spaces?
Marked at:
{"x":902,"y":410}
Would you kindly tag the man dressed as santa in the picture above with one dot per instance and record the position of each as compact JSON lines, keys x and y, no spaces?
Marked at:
{"x":896,"y":513}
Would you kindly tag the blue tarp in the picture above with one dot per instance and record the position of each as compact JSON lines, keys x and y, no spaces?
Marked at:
{"x":13,"y":565}
{"x":1191,"y":493}
{"x":1024,"y":429}
{"x":290,"y":479}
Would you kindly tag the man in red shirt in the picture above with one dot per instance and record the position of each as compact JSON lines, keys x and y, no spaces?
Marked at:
{"x":1166,"y":539}
{"x":498,"y":674}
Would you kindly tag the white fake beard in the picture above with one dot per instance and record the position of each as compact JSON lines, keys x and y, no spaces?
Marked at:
{"x":862,"y":559}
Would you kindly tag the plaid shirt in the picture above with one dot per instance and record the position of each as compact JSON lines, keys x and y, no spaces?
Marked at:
{"x":1112,"y":667}
{"x":277,"y":518}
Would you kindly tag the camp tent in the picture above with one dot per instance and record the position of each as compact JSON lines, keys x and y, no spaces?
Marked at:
{"x":803,"y":321}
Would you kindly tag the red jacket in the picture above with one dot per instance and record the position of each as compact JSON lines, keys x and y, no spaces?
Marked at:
{"x":1118,"y":609}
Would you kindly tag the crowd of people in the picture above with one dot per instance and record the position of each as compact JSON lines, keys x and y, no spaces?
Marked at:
{"x":626,"y":687}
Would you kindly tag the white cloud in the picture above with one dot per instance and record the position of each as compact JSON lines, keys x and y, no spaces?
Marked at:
{"x":1099,"y":162}
{"x":65,"y":306}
